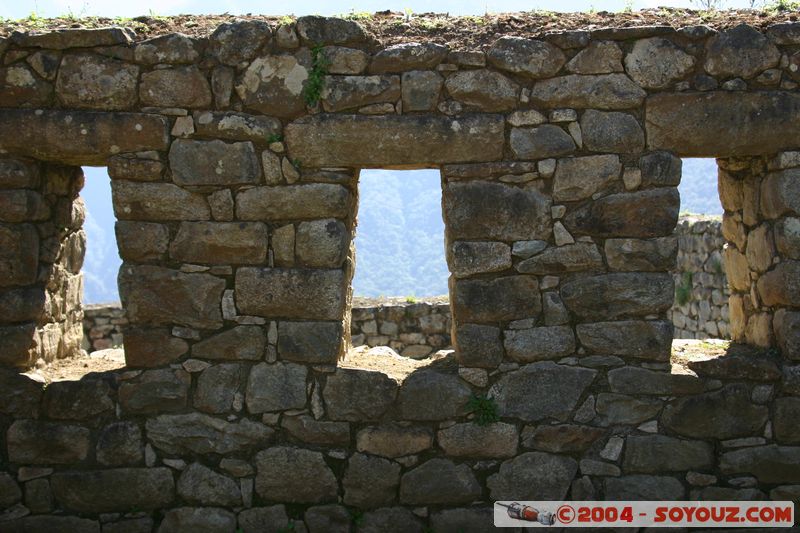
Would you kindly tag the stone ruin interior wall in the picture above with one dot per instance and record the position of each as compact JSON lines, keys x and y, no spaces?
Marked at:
{"x":236,"y":200}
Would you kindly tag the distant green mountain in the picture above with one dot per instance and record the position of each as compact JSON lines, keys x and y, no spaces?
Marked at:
{"x":400,"y":233}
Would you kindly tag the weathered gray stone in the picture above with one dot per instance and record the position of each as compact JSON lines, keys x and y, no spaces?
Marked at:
{"x":129,"y":167}
{"x":561,"y":438}
{"x":92,"y":81}
{"x":781,"y":285}
{"x":754,"y":123}
{"x":787,"y":332}
{"x":468,"y":258}
{"x":274,"y":85}
{"x":537,"y":344}
{"x":276,"y":387}
{"x":488,"y":210}
{"x":156,"y":201}
{"x":199,"y":519}
{"x":618,"y":409}
{"x":80,"y":137}
{"x":779,"y":195}
{"x":77,"y":400}
{"x":175,"y":48}
{"x":600,"y":57}
{"x":157,"y":295}
{"x":737,"y":367}
{"x":659,"y":453}
{"x":156,"y":391}
{"x":439,"y":481}
{"x":294,"y":475}
{"x":221,"y":243}
{"x":786,"y":414}
{"x":236,"y":126}
{"x":10,"y":492}
{"x":391,"y":520}
{"x":394,"y":441}
{"x":499,"y":299}
{"x":238,"y":41}
{"x":55,"y":524}
{"x":19,"y":257}
{"x":321,"y":243}
{"x":239,"y":343}
{"x":464,"y":520}
{"x":327,"y":140}
{"x":213,"y":163}
{"x":638,"y":255}
{"x":19,"y":173}
{"x":656,"y":63}
{"x":175,"y":87}
{"x":432,"y":395}
{"x":200,"y":485}
{"x":119,"y":444}
{"x":310,"y":342}
{"x":650,"y":339}
{"x":611,"y":132}
{"x":636,"y":380}
{"x":21,"y":395}
{"x":609,"y":296}
{"x":218,"y":387}
{"x":408,"y":56}
{"x":196,"y":433}
{"x":21,"y":87}
{"x":358,"y":395}
{"x":39,"y":442}
{"x":347,"y":92}
{"x":643,"y":214}
{"x":143,"y":242}
{"x":292,"y":293}
{"x":660,"y":169}
{"x":343,"y":60}
{"x":420,"y":90}
{"x":578,"y":257}
{"x":314,"y":200}
{"x":580,"y":177}
{"x":113,"y":490}
{"x":541,"y":390}
{"x":74,"y":38}
{"x":641,"y":487}
{"x":472,"y":440}
{"x":545,"y":141}
{"x":609,"y":91}
{"x":370,"y":482}
{"x":740,"y":51}
{"x":734,"y":414}
{"x":787,"y":237}
{"x":485,"y":89}
{"x":770,"y":464}
{"x":305,"y":429}
{"x":530,"y":58}
{"x":19,"y":205}
{"x":316,"y":30}
{"x":327,"y":519}
{"x":533,"y":476}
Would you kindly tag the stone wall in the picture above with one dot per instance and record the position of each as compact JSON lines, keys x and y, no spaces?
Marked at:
{"x":701,"y":288}
{"x":234,"y":183}
{"x":102,"y":326}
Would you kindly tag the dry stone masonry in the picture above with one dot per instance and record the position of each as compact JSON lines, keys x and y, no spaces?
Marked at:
{"x":235,"y":188}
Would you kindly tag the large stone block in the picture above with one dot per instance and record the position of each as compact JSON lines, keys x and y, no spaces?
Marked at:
{"x":274,"y":85}
{"x":651,"y":339}
{"x":661,"y":169}
{"x":636,"y":380}
{"x":18,"y":345}
{"x":221,"y":243}
{"x":537,"y":344}
{"x":530,"y":58}
{"x":213,"y":163}
{"x":495,"y":300}
{"x":236,"y":126}
{"x":370,"y":482}
{"x":497,"y":440}
{"x":644,"y":214}
{"x":787,"y":333}
{"x":74,"y":38}
{"x":211,"y":519}
{"x":142,"y":242}
{"x":19,"y":254}
{"x":36,"y":442}
{"x":740,"y":51}
{"x":541,"y":390}
{"x":238,"y":41}
{"x":548,"y":140}
{"x":80,"y":137}
{"x":659,"y":453}
{"x":609,"y":91}
{"x":394,"y":441}
{"x":93,"y":81}
{"x":175,"y":87}
{"x":391,"y":520}
{"x":769,"y":464}
{"x":161,"y":296}
{"x":119,"y":444}
{"x":780,"y":193}
{"x":620,"y":409}
{"x":490,"y":210}
{"x":468,"y":258}
{"x":358,"y":395}
{"x":240,"y":343}
{"x":533,"y":476}
{"x":19,"y":86}
{"x":294,"y":475}
{"x":781,"y":285}
{"x":318,"y":30}
{"x":175,"y":48}
{"x":439,"y":481}
{"x":200,"y":485}
{"x":322,"y":243}
{"x":787,"y":237}
{"x":152,"y":347}
{"x":157,"y":201}
{"x":78,"y":400}
{"x":642,"y":487}
{"x":339,"y":140}
{"x":114,"y":490}
{"x":734,"y":415}
{"x":478,"y":346}
{"x":347,"y":92}
{"x":317,"y":432}
{"x":639,"y":255}
{"x":420,"y":90}
{"x":19,"y":174}
{"x":610,"y":296}
{"x":578,"y":257}
{"x":21,"y":395}
{"x":722,"y":123}
{"x":408,"y":56}
{"x":655,"y":63}
{"x":20,"y":205}
{"x":291,"y":293}
{"x":220,"y":388}
{"x":611,"y":132}
{"x":196,"y":433}
{"x":310,"y":342}
{"x":276,"y":387}
{"x":312,"y":201}
{"x":156,"y":391}
{"x":485,"y":89}
{"x":432,"y":395}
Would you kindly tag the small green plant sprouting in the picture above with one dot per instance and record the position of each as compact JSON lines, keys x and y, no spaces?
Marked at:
{"x":781,"y":6}
{"x":288,"y":528}
{"x":357,"y":517}
{"x":286,"y":20}
{"x":296,"y":163}
{"x":357,"y":15}
{"x":411,"y":299}
{"x":484,"y":409}
{"x":628,"y":6}
{"x":408,"y":14}
{"x":683,"y":291}
{"x":316,"y":78}
{"x":275,"y":138}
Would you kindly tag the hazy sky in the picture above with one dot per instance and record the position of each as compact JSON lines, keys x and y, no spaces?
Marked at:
{"x":111,"y":8}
